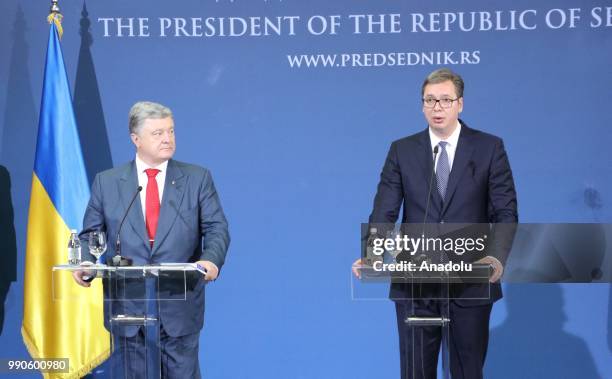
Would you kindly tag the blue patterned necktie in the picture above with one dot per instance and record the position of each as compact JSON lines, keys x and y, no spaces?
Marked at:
{"x":442,"y":169}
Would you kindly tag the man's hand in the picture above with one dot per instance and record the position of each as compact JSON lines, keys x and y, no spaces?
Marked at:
{"x":83,"y":277}
{"x":498,"y":268}
{"x":212,"y":271}
{"x":356,"y":268}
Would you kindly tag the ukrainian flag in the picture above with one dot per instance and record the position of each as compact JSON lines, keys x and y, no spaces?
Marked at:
{"x":56,"y":326}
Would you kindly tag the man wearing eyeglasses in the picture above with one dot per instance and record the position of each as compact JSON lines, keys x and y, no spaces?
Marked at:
{"x":472,"y":183}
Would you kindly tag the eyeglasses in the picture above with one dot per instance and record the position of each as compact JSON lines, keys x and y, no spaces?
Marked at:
{"x":431,"y":102}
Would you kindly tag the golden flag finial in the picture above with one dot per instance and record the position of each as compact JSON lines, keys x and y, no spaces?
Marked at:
{"x":56,"y":17}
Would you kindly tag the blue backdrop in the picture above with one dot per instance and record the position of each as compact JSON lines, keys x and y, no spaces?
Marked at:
{"x":296,"y":151}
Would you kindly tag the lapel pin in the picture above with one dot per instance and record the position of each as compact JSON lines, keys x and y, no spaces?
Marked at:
{"x":173,"y":182}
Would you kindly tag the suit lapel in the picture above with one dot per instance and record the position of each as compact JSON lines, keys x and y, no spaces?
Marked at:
{"x":127,"y":188}
{"x":174,"y":188}
{"x":463,"y":154}
{"x":425,"y":158}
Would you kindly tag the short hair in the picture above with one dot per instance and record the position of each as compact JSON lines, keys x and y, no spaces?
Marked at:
{"x":442,"y":75}
{"x":144,"y":110}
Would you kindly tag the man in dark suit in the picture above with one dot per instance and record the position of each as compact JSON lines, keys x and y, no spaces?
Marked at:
{"x":176,"y":219}
{"x":472,"y":184}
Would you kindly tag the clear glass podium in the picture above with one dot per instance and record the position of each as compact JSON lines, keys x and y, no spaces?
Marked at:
{"x":429,"y":270}
{"x":132,"y":298}
{"x":436,"y":287}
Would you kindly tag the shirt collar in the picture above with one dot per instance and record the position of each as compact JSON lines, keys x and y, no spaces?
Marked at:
{"x":452,"y":140}
{"x":141,"y":166}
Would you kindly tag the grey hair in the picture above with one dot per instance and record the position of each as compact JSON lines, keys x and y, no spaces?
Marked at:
{"x":443,"y":75}
{"x":143,"y":110}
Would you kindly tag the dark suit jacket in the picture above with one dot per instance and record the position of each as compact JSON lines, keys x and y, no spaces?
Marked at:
{"x":480,"y":190}
{"x":191,"y":227}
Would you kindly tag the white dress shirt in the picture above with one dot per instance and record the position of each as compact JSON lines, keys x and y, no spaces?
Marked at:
{"x":451,"y":146}
{"x":143,"y":180}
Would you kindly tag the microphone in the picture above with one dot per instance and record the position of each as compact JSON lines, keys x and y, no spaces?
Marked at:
{"x":433,"y":170}
{"x":118,"y":260}
{"x":423,"y":257}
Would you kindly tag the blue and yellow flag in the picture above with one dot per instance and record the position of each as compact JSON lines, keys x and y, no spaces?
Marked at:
{"x":54,"y":325}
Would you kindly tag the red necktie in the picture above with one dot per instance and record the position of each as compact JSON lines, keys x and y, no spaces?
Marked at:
{"x":152,"y":204}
